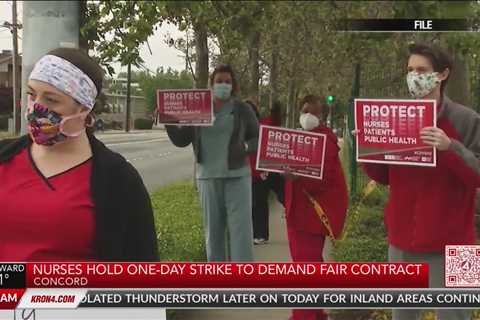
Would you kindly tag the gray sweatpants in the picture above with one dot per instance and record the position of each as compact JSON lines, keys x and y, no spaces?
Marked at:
{"x":227,"y":217}
{"x":436,"y":263}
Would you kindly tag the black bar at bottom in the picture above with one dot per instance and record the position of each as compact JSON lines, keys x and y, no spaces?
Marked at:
{"x":286,"y":298}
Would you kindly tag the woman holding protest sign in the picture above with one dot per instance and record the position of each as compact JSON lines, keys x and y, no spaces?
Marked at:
{"x":64,"y":196}
{"x":315,"y":209}
{"x":431,"y":207}
{"x":223,"y":172}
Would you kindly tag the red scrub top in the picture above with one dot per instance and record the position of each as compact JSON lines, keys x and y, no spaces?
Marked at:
{"x":45,"y":219}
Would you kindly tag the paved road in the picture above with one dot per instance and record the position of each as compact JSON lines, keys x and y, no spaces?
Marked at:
{"x":153,"y":155}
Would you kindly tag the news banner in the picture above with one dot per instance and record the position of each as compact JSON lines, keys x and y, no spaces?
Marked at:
{"x":227,"y":285}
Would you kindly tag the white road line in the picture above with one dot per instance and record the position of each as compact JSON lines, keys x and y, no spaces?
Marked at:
{"x":150,"y":156}
{"x":134,"y":142}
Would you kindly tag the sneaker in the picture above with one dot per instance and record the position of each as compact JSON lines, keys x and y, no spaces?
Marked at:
{"x":260,"y":241}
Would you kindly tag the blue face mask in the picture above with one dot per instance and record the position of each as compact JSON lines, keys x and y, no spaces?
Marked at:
{"x":222,"y":91}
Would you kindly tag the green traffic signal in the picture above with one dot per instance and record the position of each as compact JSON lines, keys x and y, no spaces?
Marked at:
{"x":330,"y":99}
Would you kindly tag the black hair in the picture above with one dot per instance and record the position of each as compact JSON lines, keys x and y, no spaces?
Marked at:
{"x":311,"y":99}
{"x":225,"y":68}
{"x":314,"y":99}
{"x":438,"y":57}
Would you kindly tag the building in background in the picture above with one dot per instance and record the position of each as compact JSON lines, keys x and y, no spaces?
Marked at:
{"x":6,"y":87}
{"x":115,"y":91}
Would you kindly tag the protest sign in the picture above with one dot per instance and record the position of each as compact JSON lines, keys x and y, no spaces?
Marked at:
{"x":388,"y":131}
{"x":185,"y":107}
{"x":302,"y":152}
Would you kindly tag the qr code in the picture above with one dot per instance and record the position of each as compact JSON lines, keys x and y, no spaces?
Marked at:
{"x":462,"y":266}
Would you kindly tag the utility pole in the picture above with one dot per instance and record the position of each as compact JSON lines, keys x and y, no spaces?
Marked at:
{"x":15,"y":73}
{"x":129,"y":80}
{"x":47,"y":25}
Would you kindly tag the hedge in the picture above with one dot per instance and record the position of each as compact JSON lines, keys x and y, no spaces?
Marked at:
{"x":143,"y":124}
{"x":364,"y":234}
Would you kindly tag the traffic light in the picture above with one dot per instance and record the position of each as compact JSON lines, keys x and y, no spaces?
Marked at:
{"x":330,"y":100}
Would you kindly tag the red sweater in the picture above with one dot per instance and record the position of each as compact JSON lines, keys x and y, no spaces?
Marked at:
{"x":330,"y":192}
{"x":429,"y":208}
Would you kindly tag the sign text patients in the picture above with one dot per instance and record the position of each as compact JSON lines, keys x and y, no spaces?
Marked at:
{"x":280,"y":142}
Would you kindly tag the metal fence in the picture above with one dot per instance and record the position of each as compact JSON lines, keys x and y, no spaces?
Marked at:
{"x":370,"y":81}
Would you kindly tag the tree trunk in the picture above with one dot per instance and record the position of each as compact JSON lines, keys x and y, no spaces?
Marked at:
{"x":458,"y":87}
{"x":254,"y":67}
{"x":296,"y":111}
{"x":82,"y":12}
{"x":290,"y":103}
{"x":274,"y":71}
{"x":201,"y":50}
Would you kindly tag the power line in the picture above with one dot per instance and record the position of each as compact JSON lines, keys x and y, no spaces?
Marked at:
{"x":146,"y":69}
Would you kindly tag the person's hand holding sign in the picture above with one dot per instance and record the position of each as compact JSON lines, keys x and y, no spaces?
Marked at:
{"x":435,"y":137}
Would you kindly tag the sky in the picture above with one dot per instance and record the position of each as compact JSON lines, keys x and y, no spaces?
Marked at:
{"x":162,"y":54}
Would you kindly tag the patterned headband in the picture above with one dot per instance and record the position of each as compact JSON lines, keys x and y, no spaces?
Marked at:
{"x":66,"y":77}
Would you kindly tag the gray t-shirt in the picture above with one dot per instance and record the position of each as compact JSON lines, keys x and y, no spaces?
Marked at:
{"x":214,"y":147}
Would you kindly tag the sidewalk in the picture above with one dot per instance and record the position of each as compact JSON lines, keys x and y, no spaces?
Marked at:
{"x":275,"y":251}
{"x":120,"y":136}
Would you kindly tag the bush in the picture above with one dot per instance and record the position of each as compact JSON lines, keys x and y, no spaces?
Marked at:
{"x":365,"y":236}
{"x":143,"y":124}
{"x":179,"y":225}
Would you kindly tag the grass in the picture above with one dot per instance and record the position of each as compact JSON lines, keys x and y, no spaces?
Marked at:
{"x":178,"y":220}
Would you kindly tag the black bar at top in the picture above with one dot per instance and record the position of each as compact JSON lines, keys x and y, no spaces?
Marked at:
{"x":13,"y":275}
{"x":408,"y":25}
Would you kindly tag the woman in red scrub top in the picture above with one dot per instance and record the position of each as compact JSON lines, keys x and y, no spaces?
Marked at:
{"x":64,"y":196}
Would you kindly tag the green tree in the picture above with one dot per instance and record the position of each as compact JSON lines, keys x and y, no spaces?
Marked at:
{"x":169,"y":79}
{"x":117,"y":29}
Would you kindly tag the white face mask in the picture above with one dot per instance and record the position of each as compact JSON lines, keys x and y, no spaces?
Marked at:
{"x":420,"y":85}
{"x":308,"y":121}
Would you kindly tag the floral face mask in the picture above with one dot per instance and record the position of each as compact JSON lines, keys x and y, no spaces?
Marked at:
{"x":421,"y":84}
